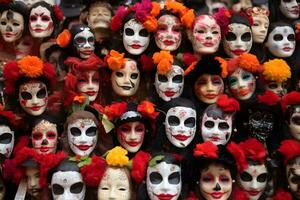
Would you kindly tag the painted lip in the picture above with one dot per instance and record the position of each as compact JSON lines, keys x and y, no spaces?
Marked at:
{"x":295,"y":11}
{"x":135,"y":46}
{"x":9,"y":34}
{"x":35,"y":108}
{"x":169,"y":93}
{"x":87,"y":52}
{"x":217,"y":195}
{"x":244,"y":92}
{"x":45,"y":149}
{"x":287,"y":49}
{"x":168,"y":42}
{"x":181,"y":137}
{"x":208,"y":44}
{"x":165,"y":196}
{"x":38,"y":30}
{"x":238,"y":51}
{"x":90,"y":93}
{"x":214,"y":138}
{"x":210,"y":96}
{"x":133,"y":143}
{"x":253,"y":192}
{"x":34,"y":191}
{"x":83,"y":147}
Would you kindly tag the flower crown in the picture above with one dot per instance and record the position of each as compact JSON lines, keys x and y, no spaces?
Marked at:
{"x":257,"y":11}
{"x":206,"y":150}
{"x":276,"y":70}
{"x":290,"y":149}
{"x":246,"y":61}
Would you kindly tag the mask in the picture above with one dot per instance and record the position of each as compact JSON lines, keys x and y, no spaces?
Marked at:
{"x":33,"y":97}
{"x":40,"y":22}
{"x":215,"y":182}
{"x":168,"y":35}
{"x":242,"y":84}
{"x":180,"y":126}
{"x":67,"y":185}
{"x":289,"y":8}
{"x":115,"y":184}
{"x":99,"y":17}
{"x":260,"y":28}
{"x":170,"y":85}
{"x":294,"y":124}
{"x":29,"y":3}
{"x":208,"y":88}
{"x":54,"y":58}
{"x":214,"y":7}
{"x":125,"y":81}
{"x":24,"y":46}
{"x":136,"y":38}
{"x":88,"y":84}
{"x":293,"y":177}
{"x":253,"y":181}
{"x":281,"y":41}
{"x":206,"y":35}
{"x":7,"y":140}
{"x":278,"y":88}
{"x":163,"y":181}
{"x":84,"y":43}
{"x":131,"y":135}
{"x":44,"y":137}
{"x":261,"y":125}
{"x":238,"y":40}
{"x":11,"y":25}
{"x":82,"y":136}
{"x":32,"y":179}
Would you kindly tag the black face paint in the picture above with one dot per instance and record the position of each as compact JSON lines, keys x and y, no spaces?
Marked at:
{"x":44,"y":142}
{"x":9,"y":15}
{"x":217,"y":187}
{"x":261,"y":125}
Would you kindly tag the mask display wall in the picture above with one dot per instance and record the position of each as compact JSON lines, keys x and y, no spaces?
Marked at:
{"x":88,"y":84}
{"x":83,"y":41}
{"x":99,"y":15}
{"x":7,"y":140}
{"x":289,"y":9}
{"x":294,"y":122}
{"x":32,"y":179}
{"x":261,"y":125}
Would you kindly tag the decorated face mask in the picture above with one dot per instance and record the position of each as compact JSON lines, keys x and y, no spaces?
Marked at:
{"x":208,"y":88}
{"x":44,"y":137}
{"x":170,"y":86}
{"x":260,"y":28}
{"x":289,"y":8}
{"x":238,"y":40}
{"x":136,"y":38}
{"x":253,"y":181}
{"x":7,"y":140}
{"x":32,"y":179}
{"x":278,"y":88}
{"x":23,"y":48}
{"x":82,"y":136}
{"x":67,"y":185}
{"x":261,"y":125}
{"x":99,"y":17}
{"x":168,"y":35}
{"x":33,"y":97}
{"x":40,"y":22}
{"x":88,"y":83}
{"x":293,"y":177}
{"x":206,"y":35}
{"x":281,"y":41}
{"x":125,"y":81}
{"x":163,"y":181}
{"x":180,"y":126}
{"x":84,"y":43}
{"x":294,"y":124}
{"x":241,"y":84}
{"x":115,"y":184}
{"x":213,"y":7}
{"x":215,"y":182}
{"x":11,"y":25}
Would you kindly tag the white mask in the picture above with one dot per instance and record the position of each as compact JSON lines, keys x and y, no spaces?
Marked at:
{"x":164,"y":181}
{"x":11,"y":25}
{"x":24,"y":47}
{"x":238,"y":40}
{"x":40,"y":22}
{"x":260,"y":28}
{"x":67,"y":185}
{"x":253,"y":181}
{"x":125,"y":81}
{"x":294,"y":124}
{"x":292,"y":175}
{"x":115,"y":184}
{"x":84,"y":43}
{"x":99,"y":17}
{"x":289,"y":8}
{"x":7,"y":140}
{"x":281,"y":41}
{"x":33,"y":97}
{"x":136,"y":38}
{"x":82,"y":136}
{"x":33,"y":186}
{"x":180,"y":126}
{"x":88,"y":83}
{"x":170,"y":86}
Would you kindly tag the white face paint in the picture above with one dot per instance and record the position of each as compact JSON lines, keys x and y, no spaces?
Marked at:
{"x":32,"y":179}
{"x":24,"y":47}
{"x":163,"y":181}
{"x":281,"y":41}
{"x":7,"y":140}
{"x":82,"y":136}
{"x":88,"y":84}
{"x":260,"y":28}
{"x":67,"y":185}
{"x":136,"y":38}
{"x":278,"y":88}
{"x":40,"y":22}
{"x":238,"y":40}
{"x":293,"y":177}
{"x":99,"y":17}
{"x":84,"y":43}
{"x":180,"y":126}
{"x":115,"y":184}
{"x":289,"y":8}
{"x":11,"y":25}
{"x":294,"y":124}
{"x":171,"y":85}
{"x":126,"y":81}
{"x":253,"y":181}
{"x":33,"y":97}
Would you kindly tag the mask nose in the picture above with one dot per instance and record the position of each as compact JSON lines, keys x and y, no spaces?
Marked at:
{"x":217,"y":187}
{"x":44,"y":142}
{"x":113,"y":194}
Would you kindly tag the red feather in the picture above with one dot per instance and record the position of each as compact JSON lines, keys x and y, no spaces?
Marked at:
{"x":238,"y":155}
{"x":206,"y":149}
{"x":254,"y":150}
{"x":268,"y":98}
{"x":147,"y":63}
{"x":115,"y":110}
{"x":139,"y":166}
{"x":289,"y":149}
{"x":49,"y":73}
{"x":115,"y":23}
{"x":59,"y":15}
{"x":239,"y":194}
{"x":23,"y":141}
{"x":281,"y":194}
{"x":228,"y":104}
{"x":10,"y":116}
{"x":77,"y":64}
{"x":11,"y":74}
{"x":292,"y":98}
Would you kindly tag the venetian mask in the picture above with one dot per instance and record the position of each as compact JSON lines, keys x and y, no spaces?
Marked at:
{"x":238,"y":40}
{"x":260,"y":28}
{"x":125,"y":81}
{"x":11,"y":25}
{"x":170,"y":85}
{"x":67,"y":185}
{"x":294,"y":124}
{"x":84,"y":43}
{"x":32,"y":179}
{"x":88,"y":84}
{"x":261,"y":125}
{"x":281,"y":41}
{"x":163,"y":181}
{"x":99,"y":17}
{"x":115,"y":184}
{"x":82,"y":136}
{"x":24,"y":47}
{"x":215,"y":182}
{"x":278,"y":88}
{"x":206,"y":35}
{"x":208,"y":88}
{"x":289,"y":8}
{"x":253,"y":181}
{"x":40,"y":22}
{"x":33,"y":97}
{"x":7,"y":140}
{"x":44,"y":137}
{"x":180,"y":125}
{"x":242,"y":84}
{"x":168,"y":35}
{"x":136,"y":38}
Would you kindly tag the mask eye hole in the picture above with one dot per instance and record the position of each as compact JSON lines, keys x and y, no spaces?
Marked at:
{"x":91,"y":131}
{"x":177,"y":79}
{"x":33,"y":18}
{"x":37,"y":135}
{"x":75,"y":131}
{"x":134,"y":76}
{"x":173,"y":121}
{"x":51,"y":135}
{"x":5,"y":138}
{"x":41,"y":93}
{"x":144,"y":33}
{"x":119,"y":74}
{"x":246,"y":37}
{"x":223,"y":126}
{"x":129,"y":32}
{"x":57,"y":189}
{"x":155,"y":178}
{"x":207,"y":178}
{"x":273,"y":85}
{"x":277,"y":37}
{"x":232,"y":81}
{"x":76,"y":188}
{"x":209,"y":124}
{"x":291,"y":37}
{"x":246,"y":177}
{"x":174,"y":178}
{"x":91,"y":40}
{"x":230,"y":36}
{"x":296,"y":120}
{"x":26,"y":95}
{"x":262,"y":178}
{"x":190,"y":122}
{"x":162,"y":78}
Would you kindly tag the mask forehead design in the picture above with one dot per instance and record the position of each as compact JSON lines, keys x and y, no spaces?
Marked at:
{"x":84,"y":43}
{"x":7,"y":140}
{"x":11,"y":25}
{"x":40,"y":22}
{"x":289,"y":8}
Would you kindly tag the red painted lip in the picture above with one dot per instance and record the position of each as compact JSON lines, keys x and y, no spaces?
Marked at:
{"x":210,"y":96}
{"x":244,"y":92}
{"x":214,"y":138}
{"x":45,"y":149}
{"x":169,"y":93}
{"x":168,"y":42}
{"x":181,"y":137}
{"x":38,"y":30}
{"x":238,"y":51}
{"x":90,"y":93}
{"x":83,"y":147}
{"x":217,"y":195}
{"x":35,"y":108}
{"x":87,"y":52}
{"x":133,"y":143}
{"x":253,"y":192}
{"x":136,"y":46}
{"x":295,"y":11}
{"x":9,"y":34}
{"x":287,"y":49}
{"x":208,"y":44}
{"x":165,"y":196}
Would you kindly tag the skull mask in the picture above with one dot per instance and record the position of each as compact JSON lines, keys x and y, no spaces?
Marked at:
{"x":84,"y":42}
{"x":261,"y":125}
{"x":40,"y":22}
{"x":11,"y":25}
{"x":7,"y":140}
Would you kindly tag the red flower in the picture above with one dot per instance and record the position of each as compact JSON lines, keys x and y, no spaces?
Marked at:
{"x":147,"y":63}
{"x":289,"y":149}
{"x":139,"y":166}
{"x":115,"y":110}
{"x":93,"y":173}
{"x":59,"y":15}
{"x":238,"y":155}
{"x":228,"y":104}
{"x":206,"y":149}
{"x":146,"y":108}
{"x":116,"y":23}
{"x":281,"y":194}
{"x":292,"y":98}
{"x":70,"y":82}
{"x":268,"y":98}
{"x":189,"y":58}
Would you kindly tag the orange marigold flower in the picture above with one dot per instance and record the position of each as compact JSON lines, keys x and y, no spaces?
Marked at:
{"x":188,"y":18}
{"x":175,"y":7}
{"x":276,"y":70}
{"x":64,"y":38}
{"x":155,"y":9}
{"x":31,"y":66}
{"x":164,"y":61}
{"x":150,"y":24}
{"x":79,"y":99}
{"x":116,"y":60}
{"x":117,"y":157}
{"x":223,"y":66}
{"x":249,"y":62}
